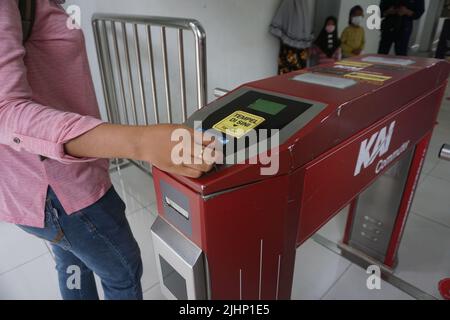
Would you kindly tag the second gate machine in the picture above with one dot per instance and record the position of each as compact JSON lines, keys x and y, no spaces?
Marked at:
{"x":354,"y":132}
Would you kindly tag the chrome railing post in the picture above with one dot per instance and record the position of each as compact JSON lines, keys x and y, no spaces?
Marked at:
{"x":444,"y":153}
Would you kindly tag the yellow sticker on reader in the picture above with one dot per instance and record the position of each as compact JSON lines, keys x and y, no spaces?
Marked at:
{"x":378,"y":78}
{"x":356,"y":64}
{"x":239,"y":123}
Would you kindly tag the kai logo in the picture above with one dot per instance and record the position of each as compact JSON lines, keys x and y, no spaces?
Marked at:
{"x":375,"y":147}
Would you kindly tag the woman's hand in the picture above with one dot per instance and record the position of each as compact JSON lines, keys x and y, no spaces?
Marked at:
{"x":176,"y":149}
{"x":146,"y":143}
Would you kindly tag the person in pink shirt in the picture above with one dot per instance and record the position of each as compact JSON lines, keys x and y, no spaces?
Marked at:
{"x":54,"y":180}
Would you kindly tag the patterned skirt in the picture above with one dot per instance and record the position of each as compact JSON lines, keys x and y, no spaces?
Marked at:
{"x":291,"y":59}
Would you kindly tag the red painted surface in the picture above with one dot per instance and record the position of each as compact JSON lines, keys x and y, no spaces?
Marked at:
{"x":330,"y":184}
{"x":315,"y":181}
{"x":408,"y":196}
{"x":349,"y":111}
{"x":444,"y":288}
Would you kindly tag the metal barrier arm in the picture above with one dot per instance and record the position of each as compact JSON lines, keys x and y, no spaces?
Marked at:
{"x":445,"y":152}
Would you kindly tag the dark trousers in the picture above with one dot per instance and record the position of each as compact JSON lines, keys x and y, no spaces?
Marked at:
{"x":443,"y":48}
{"x":400,"y":38}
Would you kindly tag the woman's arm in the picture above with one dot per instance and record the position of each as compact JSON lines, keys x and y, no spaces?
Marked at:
{"x":27,"y":126}
{"x":147,"y":143}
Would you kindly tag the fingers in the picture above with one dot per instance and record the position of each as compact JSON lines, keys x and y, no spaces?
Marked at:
{"x":187,"y":172}
{"x":203,"y":167}
{"x":204,"y":139}
{"x":197,"y":155}
{"x":202,"y":161}
{"x":203,"y":155}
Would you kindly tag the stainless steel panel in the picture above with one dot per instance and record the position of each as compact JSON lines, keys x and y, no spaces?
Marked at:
{"x":377,"y":210}
{"x":180,"y":263}
{"x":176,"y":208}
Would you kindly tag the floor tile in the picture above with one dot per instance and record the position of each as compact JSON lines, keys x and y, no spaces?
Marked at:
{"x":316,"y":270}
{"x":153,"y":208}
{"x":442,"y":169}
{"x":424,"y":254}
{"x":353,"y":286}
{"x":35,"y":280}
{"x":131,"y":202}
{"x":433,"y":200}
{"x":441,"y":136}
{"x":154,"y":293}
{"x":444,"y":115}
{"x":18,"y":247}
{"x":335,"y":228}
{"x":138,"y":184}
{"x":140,"y":223}
{"x":423,"y":177}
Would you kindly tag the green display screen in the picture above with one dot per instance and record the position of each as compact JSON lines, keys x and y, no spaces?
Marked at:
{"x":268,"y":107}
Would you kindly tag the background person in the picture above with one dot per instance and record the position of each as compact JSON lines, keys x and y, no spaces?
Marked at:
{"x":397,"y":25}
{"x":292,"y":25}
{"x":327,"y":46}
{"x":353,"y":39}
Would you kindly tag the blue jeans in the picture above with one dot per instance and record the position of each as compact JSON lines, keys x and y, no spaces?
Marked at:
{"x":97,"y":239}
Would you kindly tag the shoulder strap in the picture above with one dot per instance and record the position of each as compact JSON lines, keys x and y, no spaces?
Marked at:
{"x":27,"y":11}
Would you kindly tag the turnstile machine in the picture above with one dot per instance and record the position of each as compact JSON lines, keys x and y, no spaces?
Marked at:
{"x":353,"y":132}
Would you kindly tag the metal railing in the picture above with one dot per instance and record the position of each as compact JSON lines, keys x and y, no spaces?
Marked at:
{"x":444,"y":153}
{"x":137,"y":81}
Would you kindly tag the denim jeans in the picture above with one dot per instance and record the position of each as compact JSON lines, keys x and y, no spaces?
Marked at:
{"x":97,"y":239}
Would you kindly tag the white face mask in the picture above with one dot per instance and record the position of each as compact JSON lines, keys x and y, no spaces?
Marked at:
{"x":330,"y":29}
{"x":358,"y":21}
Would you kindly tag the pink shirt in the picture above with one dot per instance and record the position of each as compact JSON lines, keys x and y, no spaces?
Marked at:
{"x":46,"y":99}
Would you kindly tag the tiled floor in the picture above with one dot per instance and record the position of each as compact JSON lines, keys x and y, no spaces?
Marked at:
{"x":27,"y":267}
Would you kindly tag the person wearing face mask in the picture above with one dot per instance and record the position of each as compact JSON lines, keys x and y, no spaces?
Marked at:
{"x":397,"y":25}
{"x":326,"y":47}
{"x":353,"y":37}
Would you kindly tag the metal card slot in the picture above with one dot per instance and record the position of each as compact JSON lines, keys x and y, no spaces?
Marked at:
{"x":179,"y":262}
{"x":176,"y":207}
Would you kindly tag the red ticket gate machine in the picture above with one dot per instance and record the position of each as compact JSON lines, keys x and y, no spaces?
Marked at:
{"x":354,"y":132}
